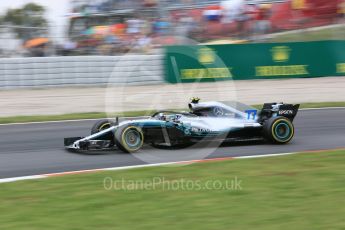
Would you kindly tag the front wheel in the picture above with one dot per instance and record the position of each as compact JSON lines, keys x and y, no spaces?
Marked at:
{"x":278,"y":130}
{"x":129,"y":138}
{"x":101,"y":125}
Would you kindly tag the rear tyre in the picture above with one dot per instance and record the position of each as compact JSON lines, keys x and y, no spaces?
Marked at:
{"x":278,"y":130}
{"x":129,"y":138}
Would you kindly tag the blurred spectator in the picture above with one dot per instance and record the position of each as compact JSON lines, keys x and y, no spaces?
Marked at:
{"x":297,"y":10}
{"x":146,"y":27}
{"x":341,"y":10}
{"x":150,"y":3}
{"x":134,"y":26}
{"x":262,"y":22}
{"x":143,"y":44}
{"x":235,"y":15}
{"x":161,"y":26}
{"x":68,"y":48}
{"x":298,"y":4}
{"x":184,"y":26}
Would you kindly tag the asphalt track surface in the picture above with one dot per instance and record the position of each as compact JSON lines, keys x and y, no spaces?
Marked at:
{"x":30,"y":149}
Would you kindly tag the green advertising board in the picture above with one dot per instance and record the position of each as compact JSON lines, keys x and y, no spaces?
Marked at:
{"x":254,"y":61}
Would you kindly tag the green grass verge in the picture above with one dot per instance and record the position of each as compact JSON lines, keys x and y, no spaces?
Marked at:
{"x":95,"y":115}
{"x":303,"y":191}
{"x":337,"y":33}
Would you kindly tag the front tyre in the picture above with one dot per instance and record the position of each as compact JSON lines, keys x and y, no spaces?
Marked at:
{"x":101,"y":125}
{"x":278,"y":130}
{"x":129,"y":138}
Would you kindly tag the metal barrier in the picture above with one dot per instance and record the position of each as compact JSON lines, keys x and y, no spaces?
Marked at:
{"x":80,"y":71}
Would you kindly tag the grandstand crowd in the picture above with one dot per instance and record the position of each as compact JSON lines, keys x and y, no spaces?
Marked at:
{"x":111,"y":27}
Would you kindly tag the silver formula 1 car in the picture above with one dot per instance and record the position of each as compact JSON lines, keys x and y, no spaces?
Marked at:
{"x":206,"y":121}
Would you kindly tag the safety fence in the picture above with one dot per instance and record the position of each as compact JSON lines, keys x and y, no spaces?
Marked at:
{"x":80,"y":70}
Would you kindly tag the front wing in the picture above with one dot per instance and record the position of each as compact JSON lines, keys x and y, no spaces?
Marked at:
{"x":92,"y":142}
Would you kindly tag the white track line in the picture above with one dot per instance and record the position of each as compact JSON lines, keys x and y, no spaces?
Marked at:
{"x":13,"y":179}
{"x":42,"y":176}
{"x":95,"y":119}
{"x":266,"y":155}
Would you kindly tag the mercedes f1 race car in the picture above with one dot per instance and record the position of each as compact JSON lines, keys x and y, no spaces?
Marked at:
{"x":206,"y":121}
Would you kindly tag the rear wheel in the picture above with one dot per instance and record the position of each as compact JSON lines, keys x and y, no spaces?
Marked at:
{"x":129,"y":138}
{"x":279,"y":130}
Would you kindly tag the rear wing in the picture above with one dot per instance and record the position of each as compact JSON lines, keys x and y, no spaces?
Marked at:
{"x":278,"y":109}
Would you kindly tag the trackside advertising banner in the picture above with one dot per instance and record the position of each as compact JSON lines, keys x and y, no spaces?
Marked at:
{"x":254,"y":61}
